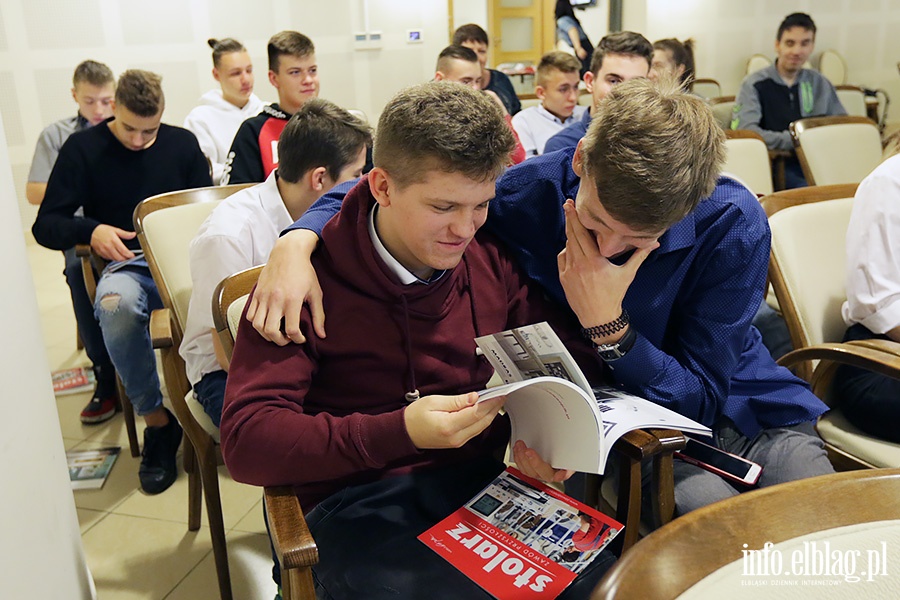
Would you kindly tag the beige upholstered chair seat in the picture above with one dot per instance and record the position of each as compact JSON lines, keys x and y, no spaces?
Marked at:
{"x":747,"y":159}
{"x":723,"y":109}
{"x":841,"y":434}
{"x":836,"y":149}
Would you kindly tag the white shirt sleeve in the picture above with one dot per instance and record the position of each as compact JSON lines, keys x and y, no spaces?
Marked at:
{"x":873,"y":251}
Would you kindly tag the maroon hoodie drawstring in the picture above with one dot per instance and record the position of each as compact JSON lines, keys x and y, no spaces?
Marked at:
{"x":412,"y":395}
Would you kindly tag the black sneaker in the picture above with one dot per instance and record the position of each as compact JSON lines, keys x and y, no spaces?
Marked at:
{"x":158,"y":465}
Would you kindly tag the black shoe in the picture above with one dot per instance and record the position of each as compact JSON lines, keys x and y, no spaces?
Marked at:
{"x":158,"y":465}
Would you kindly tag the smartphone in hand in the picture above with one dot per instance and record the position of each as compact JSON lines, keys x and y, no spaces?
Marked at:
{"x":724,"y":464}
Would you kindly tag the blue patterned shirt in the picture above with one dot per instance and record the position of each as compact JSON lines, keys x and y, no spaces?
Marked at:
{"x":691,"y":302}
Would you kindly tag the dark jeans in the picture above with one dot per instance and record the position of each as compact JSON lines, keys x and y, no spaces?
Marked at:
{"x":210,"y":393}
{"x":367,"y":543}
{"x":793,"y":174}
{"x":869,"y":401}
{"x":88,"y":326}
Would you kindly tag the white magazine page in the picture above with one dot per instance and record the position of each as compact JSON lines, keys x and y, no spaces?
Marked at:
{"x":623,"y":412}
{"x":531,"y":351}
{"x":553,"y":417}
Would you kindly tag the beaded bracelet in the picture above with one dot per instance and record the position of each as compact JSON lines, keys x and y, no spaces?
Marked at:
{"x":606,"y":329}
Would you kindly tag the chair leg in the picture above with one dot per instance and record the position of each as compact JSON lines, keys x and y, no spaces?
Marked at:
{"x":128,"y":413}
{"x":297,"y":584}
{"x":628,"y":511}
{"x":79,"y":345}
{"x":209,"y":473}
{"x":195,"y":484}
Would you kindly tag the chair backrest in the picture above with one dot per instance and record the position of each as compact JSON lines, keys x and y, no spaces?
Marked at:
{"x":228,"y":304}
{"x":836,"y":149}
{"x":853,"y":99}
{"x":723,"y":110}
{"x":672,"y":559}
{"x":833,"y":67}
{"x":707,"y":88}
{"x":757,"y":62}
{"x":166,"y":224}
{"x":807,"y":269}
{"x":747,"y":158}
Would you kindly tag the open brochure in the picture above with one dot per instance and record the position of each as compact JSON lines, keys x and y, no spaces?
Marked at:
{"x":519,"y":538}
{"x":553,"y":408}
{"x":88,"y":469}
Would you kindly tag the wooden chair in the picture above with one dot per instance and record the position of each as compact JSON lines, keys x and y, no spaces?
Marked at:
{"x":807,"y":272}
{"x":668,"y":562}
{"x":757,"y":62}
{"x":853,"y":99}
{"x":165,"y":225}
{"x":840,"y":149}
{"x":294,"y":545}
{"x":723,"y":110}
{"x":833,"y":67}
{"x":748,"y":159}
{"x":707,"y":88}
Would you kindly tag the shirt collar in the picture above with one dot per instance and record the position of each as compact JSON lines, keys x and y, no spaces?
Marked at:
{"x":271,"y":200}
{"x":405,"y":276}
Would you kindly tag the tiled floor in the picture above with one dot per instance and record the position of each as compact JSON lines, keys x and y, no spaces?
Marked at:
{"x":138,"y":546}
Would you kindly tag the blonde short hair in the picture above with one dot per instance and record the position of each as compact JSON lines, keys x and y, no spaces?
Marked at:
{"x":555,"y":61}
{"x":653,"y":153}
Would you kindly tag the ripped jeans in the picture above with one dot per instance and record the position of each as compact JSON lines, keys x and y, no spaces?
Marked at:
{"x":125,"y":298}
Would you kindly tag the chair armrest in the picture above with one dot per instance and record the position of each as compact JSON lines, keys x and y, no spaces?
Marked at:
{"x":161,"y":333}
{"x":886,"y":346}
{"x":83,"y":251}
{"x":641,"y":444}
{"x":855,"y":354}
{"x":294,"y":546}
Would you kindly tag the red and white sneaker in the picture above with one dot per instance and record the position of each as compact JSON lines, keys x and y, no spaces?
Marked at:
{"x":98,"y":410}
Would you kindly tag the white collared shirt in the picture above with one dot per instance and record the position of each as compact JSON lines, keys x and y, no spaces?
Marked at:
{"x":238,"y":234}
{"x":873,"y":251}
{"x":535,"y":125}
{"x":405,"y":276}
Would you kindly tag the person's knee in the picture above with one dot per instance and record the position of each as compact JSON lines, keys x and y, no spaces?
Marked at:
{"x":110,"y":302}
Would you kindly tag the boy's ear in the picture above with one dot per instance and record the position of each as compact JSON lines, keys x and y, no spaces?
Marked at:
{"x":380,"y":185}
{"x":317,"y":178}
{"x":215,"y":74}
{"x":74,"y":96}
{"x":539,"y":92}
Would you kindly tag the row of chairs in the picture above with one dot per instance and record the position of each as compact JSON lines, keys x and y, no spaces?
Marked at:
{"x":831,"y":150}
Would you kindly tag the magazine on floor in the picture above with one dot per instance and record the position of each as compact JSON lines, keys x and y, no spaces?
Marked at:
{"x":519,"y":538}
{"x":88,"y":469}
{"x":553,"y":408}
{"x":73,"y":381}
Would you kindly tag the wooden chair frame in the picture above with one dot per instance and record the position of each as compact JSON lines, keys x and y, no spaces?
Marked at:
{"x":201,"y":455}
{"x":797,"y":128}
{"x":672,"y":559}
{"x":294,"y":545}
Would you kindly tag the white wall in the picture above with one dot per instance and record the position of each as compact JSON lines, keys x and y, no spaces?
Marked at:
{"x":41,"y":41}
{"x":40,"y":548}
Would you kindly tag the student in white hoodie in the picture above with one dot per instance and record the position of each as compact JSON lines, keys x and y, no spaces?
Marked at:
{"x":222,"y":111}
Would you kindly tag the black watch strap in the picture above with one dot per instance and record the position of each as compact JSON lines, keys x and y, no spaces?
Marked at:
{"x":613,"y":352}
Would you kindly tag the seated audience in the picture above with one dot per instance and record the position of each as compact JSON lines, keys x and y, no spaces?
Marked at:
{"x":460,"y":65}
{"x":93,"y":88}
{"x":377,"y":426}
{"x":871,"y":401}
{"x":619,"y":57}
{"x":570,"y":32}
{"x":108,"y":170}
{"x":663,"y":263}
{"x":674,"y":59}
{"x":321,"y":146}
{"x":474,"y":37}
{"x":221,"y":112}
{"x":557,"y":89}
{"x":293,"y":72}
{"x":772,"y":98}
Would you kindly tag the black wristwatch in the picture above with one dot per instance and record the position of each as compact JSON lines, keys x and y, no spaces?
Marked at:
{"x":613,"y":352}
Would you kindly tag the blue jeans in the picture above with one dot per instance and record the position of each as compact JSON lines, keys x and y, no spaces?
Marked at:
{"x":210,"y":393}
{"x":88,"y":327}
{"x":775,"y":335}
{"x":124,"y":301}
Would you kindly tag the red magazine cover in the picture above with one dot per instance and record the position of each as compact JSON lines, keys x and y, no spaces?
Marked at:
{"x":519,"y":538}
{"x":72,"y":381}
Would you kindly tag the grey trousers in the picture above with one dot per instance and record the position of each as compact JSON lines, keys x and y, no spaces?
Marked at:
{"x":785,"y":454}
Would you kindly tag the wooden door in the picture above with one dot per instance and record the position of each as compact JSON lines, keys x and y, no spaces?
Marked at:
{"x":521,"y":30}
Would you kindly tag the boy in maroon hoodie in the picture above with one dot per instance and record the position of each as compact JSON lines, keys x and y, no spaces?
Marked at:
{"x":360,"y":422}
